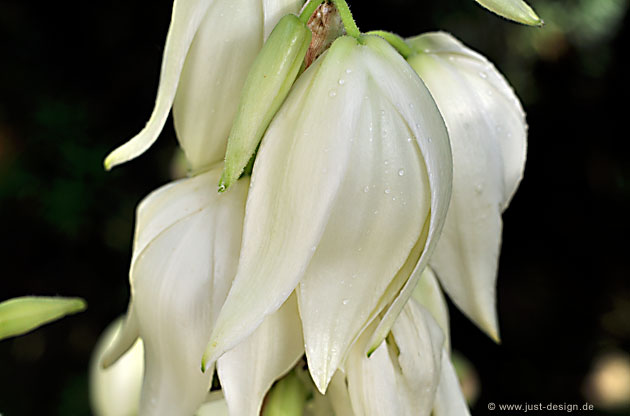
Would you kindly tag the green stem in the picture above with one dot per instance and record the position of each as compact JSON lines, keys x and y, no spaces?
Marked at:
{"x":346,"y":17}
{"x":396,"y":41}
{"x":309,"y":9}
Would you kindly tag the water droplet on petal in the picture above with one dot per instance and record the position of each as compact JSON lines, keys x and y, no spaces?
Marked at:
{"x":366,"y":189}
{"x":409,"y":139}
{"x":483,"y":75}
{"x":401,"y":172}
{"x":429,"y":139}
{"x":387,"y":190}
{"x":342,"y":81}
{"x":332,"y":93}
{"x":345,"y":301}
{"x":348,"y":71}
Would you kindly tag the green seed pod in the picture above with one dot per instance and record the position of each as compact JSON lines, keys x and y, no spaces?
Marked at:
{"x":267,"y":85}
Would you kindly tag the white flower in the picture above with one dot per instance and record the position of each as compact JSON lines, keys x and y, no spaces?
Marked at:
{"x":349,"y":193}
{"x":488,"y":133}
{"x":184,"y":259}
{"x":209,"y":49}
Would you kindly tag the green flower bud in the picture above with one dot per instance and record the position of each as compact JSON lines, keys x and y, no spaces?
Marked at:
{"x":516,"y":10}
{"x":268,"y":83}
{"x":286,"y":398}
{"x":21,"y":315}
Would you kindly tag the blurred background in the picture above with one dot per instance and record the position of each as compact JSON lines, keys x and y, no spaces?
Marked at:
{"x":78,"y":78}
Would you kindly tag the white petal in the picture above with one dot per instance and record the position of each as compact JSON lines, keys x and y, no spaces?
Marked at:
{"x":186,"y":18}
{"x":488,"y":135}
{"x":424,"y":120}
{"x":429,"y":294}
{"x":449,"y":398}
{"x":321,"y":142}
{"x":179,"y":282}
{"x":516,"y":10}
{"x":214,"y":73}
{"x":115,"y":391}
{"x":402,"y":374}
{"x":248,"y":370}
{"x":217,"y":407}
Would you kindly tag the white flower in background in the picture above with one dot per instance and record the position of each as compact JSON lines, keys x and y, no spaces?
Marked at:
{"x":349,"y":192}
{"x":488,"y":134}
{"x":209,"y":49}
{"x":115,"y":391}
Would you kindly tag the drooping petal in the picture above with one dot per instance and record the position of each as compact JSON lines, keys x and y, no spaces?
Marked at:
{"x":212,"y":78}
{"x":449,"y":398}
{"x":429,"y":294}
{"x":186,"y":19}
{"x":488,"y":135}
{"x":247,"y":371}
{"x":179,"y":282}
{"x":516,"y":10}
{"x":21,"y":315}
{"x":115,"y":391}
{"x":321,"y":142}
{"x":402,"y":374}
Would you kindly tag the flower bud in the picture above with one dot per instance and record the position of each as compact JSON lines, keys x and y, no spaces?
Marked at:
{"x":21,"y":315}
{"x":516,"y":10}
{"x":267,"y":85}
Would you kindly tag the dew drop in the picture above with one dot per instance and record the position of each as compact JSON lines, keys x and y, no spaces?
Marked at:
{"x":388,"y":191}
{"x":483,"y":75}
{"x":410,"y":105}
{"x":342,"y":81}
{"x":393,"y":198}
{"x":386,"y":162}
{"x":313,"y":248}
{"x":366,"y":189}
{"x":409,"y":139}
{"x":430,"y":139}
{"x":332,"y":93}
{"x":348,"y":71}
{"x":450,"y":58}
{"x":345,"y":301}
{"x":478,"y":188}
{"x":375,"y":211}
{"x":401,"y":172}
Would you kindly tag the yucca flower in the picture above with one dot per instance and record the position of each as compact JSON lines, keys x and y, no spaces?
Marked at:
{"x":349,"y":192}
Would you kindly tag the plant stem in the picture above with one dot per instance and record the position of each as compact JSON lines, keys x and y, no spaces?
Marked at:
{"x":396,"y":41}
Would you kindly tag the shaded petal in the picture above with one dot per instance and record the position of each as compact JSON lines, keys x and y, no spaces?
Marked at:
{"x":516,"y":10}
{"x":212,"y":78}
{"x":21,"y":315}
{"x":449,"y":398}
{"x":402,"y":374}
{"x":488,"y":135}
{"x":216,"y":407}
{"x":186,"y":19}
{"x":115,"y":391}
{"x":179,"y":282}
{"x":248,"y":370}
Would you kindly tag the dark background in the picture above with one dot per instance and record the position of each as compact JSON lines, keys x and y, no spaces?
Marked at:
{"x":77,"y":78}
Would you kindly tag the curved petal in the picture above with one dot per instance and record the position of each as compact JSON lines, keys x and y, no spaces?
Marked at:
{"x":488,"y":135}
{"x":212,"y":78}
{"x":248,"y":370}
{"x":186,"y":19}
{"x":179,"y":282}
{"x":355,"y":171}
{"x":516,"y":10}
{"x":402,"y":374}
{"x":115,"y":391}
